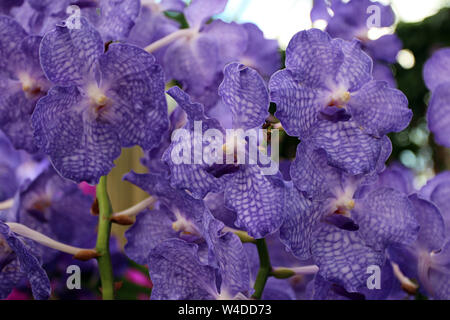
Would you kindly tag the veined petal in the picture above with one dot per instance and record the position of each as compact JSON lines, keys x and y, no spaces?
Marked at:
{"x":115,"y":19}
{"x":177,"y":273}
{"x":438,"y":114}
{"x":356,"y":69}
{"x":195,"y":175}
{"x":386,"y":216}
{"x":245,"y":93}
{"x":69,"y":56}
{"x":380,"y":109}
{"x":231,"y":38}
{"x":432,"y":227}
{"x":314,"y":57}
{"x":11,"y":35}
{"x":343,"y":257}
{"x":298,"y":106}
{"x":312,"y":174}
{"x":298,"y":226}
{"x":136,"y":87}
{"x":80,"y":148}
{"x":151,"y":228}
{"x":194,"y":62}
{"x":256,"y":199}
{"x":230,"y":256}
{"x":261,"y":54}
{"x":348,"y":147}
{"x":29,"y":264}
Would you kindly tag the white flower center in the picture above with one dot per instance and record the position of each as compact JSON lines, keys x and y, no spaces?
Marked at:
{"x":344,"y":202}
{"x":339,"y":97}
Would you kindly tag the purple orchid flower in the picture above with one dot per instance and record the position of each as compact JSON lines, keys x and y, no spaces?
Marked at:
{"x":331,"y":290}
{"x":177,"y":215}
{"x":426,"y":259}
{"x":100,"y":103}
{"x":437,"y":191}
{"x":181,"y":221}
{"x":17,"y":261}
{"x":57,"y":208}
{"x":22,"y":83}
{"x":114,"y":19}
{"x":380,"y":216}
{"x":197,"y":61}
{"x":152,"y":25}
{"x":437,"y":79}
{"x":351,"y":20}
{"x":249,"y":193}
{"x":326,"y":95}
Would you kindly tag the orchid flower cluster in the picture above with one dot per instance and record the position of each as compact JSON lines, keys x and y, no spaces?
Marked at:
{"x":81,"y":80}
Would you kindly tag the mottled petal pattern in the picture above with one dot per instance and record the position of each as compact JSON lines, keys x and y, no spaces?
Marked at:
{"x":380,"y":109}
{"x":386,"y":216}
{"x":256,"y":198}
{"x":137,"y":90}
{"x":11,"y":35}
{"x":314,"y":57}
{"x":195,"y":175}
{"x":80,"y":149}
{"x":69,"y":56}
{"x":29,"y":264}
{"x":356,"y":69}
{"x":177,"y":273}
{"x":115,"y":19}
{"x":233,"y":39}
{"x":230,"y":256}
{"x":151,"y":228}
{"x":312,"y":175}
{"x":343,"y":257}
{"x":193,"y":62}
{"x":261,"y":54}
{"x":347,"y":146}
{"x":244,"y":92}
{"x":298,"y":226}
{"x":432,"y":228}
{"x":441,"y":198}
{"x":298,"y":106}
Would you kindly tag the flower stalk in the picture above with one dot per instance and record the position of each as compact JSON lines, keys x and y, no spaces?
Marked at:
{"x":182,"y":33}
{"x":103,"y":237}
{"x":78,"y":253}
{"x":265,"y":268}
{"x":7,"y":204}
{"x":125,"y":217}
{"x":243,"y":236}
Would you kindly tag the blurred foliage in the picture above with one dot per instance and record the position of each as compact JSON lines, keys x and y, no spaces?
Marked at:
{"x":422,"y":39}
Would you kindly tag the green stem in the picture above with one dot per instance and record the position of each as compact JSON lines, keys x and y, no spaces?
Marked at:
{"x":265,"y":268}
{"x":102,"y":246}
